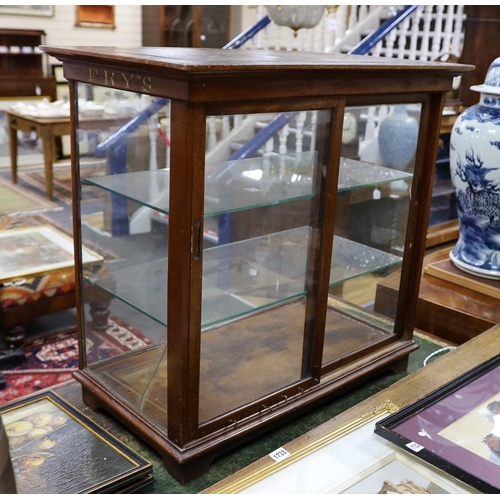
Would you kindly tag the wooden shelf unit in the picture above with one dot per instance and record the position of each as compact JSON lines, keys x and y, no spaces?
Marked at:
{"x":22,"y":71}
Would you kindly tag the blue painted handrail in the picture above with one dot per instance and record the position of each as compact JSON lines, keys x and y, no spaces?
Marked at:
{"x":360,"y":49}
{"x":121,"y":134}
{"x":246,"y":35}
{"x":116,"y":139}
{"x":381,"y":32}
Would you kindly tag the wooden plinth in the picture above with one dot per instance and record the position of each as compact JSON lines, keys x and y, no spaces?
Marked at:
{"x":445,"y":309}
{"x":447,"y":271}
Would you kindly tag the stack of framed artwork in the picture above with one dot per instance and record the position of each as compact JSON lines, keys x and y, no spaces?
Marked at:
{"x":56,"y":449}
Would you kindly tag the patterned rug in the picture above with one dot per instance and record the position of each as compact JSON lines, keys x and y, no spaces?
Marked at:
{"x":53,"y":358}
{"x":62,"y":181}
{"x":16,"y":199}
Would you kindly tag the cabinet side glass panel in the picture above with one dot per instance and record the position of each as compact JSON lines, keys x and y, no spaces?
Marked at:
{"x":379,"y":145}
{"x":259,"y":198}
{"x":122,"y":135}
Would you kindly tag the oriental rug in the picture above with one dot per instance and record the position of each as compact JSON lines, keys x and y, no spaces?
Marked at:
{"x":15,"y":199}
{"x":52,"y":359}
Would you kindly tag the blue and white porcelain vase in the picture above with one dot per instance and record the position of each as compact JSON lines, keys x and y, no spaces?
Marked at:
{"x":475,"y":173}
{"x":397,"y":138}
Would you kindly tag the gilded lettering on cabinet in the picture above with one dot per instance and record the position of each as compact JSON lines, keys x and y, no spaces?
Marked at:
{"x":113,"y":78}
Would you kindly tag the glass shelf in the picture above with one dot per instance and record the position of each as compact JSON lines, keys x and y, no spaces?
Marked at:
{"x":246,"y":276}
{"x":254,"y":182}
{"x":355,"y":174}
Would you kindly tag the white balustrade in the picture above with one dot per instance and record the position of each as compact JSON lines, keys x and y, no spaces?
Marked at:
{"x":300,"y":119}
{"x":402,"y":38}
{"x":283,"y":136}
{"x":424,"y":46}
{"x":431,"y":31}
{"x":314,"y":127}
{"x":341,"y":22}
{"x":225,"y":127}
{"x":415,"y":22}
{"x":437,"y":37}
{"x":458,"y":35}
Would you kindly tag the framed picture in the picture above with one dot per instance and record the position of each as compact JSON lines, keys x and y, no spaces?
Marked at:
{"x":396,"y":474}
{"x":32,"y":251}
{"x":56,"y":449}
{"x":27,"y":10}
{"x":455,"y":428}
{"x":347,"y":459}
{"x":95,"y":16}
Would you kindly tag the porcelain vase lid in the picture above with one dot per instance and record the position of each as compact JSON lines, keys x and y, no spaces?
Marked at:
{"x":491,"y":83}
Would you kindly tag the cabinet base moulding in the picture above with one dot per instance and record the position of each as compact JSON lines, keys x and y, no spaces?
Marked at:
{"x":195,"y":460}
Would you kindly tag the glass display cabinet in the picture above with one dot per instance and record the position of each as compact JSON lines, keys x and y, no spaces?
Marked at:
{"x":245,"y":250}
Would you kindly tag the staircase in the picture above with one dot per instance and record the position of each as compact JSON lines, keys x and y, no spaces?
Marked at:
{"x":429,"y":32}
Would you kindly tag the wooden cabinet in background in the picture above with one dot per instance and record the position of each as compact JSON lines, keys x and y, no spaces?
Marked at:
{"x":21,"y":64}
{"x":185,"y":26}
{"x":482,"y":27}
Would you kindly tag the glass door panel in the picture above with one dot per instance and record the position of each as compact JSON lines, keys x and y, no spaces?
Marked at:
{"x":379,"y":146}
{"x":258,"y":235}
{"x":124,"y":175}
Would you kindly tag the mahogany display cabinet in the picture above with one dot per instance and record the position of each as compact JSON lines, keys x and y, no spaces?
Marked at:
{"x":244,"y":259}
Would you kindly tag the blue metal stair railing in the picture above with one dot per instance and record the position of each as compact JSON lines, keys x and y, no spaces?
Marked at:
{"x":364,"y":46}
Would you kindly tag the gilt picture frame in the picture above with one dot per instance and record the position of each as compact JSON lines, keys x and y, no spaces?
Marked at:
{"x":396,"y":474}
{"x":346,"y":459}
{"x":455,"y":428}
{"x":35,"y":250}
{"x":55,"y":449}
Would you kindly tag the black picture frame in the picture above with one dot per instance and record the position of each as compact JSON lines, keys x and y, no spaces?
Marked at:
{"x":456,"y":428}
{"x":56,"y":449}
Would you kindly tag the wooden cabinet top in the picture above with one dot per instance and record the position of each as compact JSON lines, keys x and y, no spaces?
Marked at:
{"x":219,"y":60}
{"x":215,"y":75}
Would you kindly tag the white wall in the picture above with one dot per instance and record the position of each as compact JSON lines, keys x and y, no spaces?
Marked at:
{"x":61,"y":30}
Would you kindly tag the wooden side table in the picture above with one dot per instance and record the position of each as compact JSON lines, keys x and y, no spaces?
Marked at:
{"x":46,"y":128}
{"x":444,"y":309}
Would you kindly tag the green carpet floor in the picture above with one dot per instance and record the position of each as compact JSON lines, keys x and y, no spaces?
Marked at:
{"x":244,"y":455}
